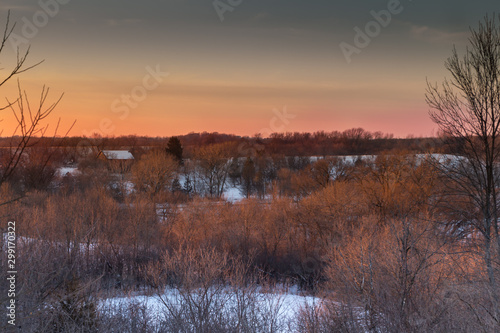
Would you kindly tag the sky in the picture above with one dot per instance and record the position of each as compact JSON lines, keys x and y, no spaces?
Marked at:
{"x":171,"y":67}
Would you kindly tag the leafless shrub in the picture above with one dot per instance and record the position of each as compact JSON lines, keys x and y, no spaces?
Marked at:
{"x":328,"y":316}
{"x":128,"y":317}
{"x":206,"y":291}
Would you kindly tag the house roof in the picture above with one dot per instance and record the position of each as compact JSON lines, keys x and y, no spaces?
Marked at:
{"x":118,"y":154}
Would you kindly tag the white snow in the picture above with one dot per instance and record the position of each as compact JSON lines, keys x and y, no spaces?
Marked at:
{"x":233,"y":194}
{"x":118,"y":154}
{"x":63,"y":171}
{"x":286,"y":304}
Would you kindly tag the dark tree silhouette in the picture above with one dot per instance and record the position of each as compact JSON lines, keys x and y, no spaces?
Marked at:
{"x":248,"y":175}
{"x":467,"y":109}
{"x":29,"y":117}
{"x":174,"y":147}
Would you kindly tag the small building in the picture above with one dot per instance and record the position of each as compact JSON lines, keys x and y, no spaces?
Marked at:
{"x":117,"y":160}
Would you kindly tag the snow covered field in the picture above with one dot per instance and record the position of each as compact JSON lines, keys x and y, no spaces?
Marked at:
{"x":283,"y":306}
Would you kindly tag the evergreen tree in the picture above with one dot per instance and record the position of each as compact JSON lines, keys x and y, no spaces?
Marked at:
{"x":188,"y":186}
{"x":174,"y":148}
{"x":176,"y":185}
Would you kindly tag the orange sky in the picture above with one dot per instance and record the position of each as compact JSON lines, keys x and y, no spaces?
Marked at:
{"x":229,"y":76}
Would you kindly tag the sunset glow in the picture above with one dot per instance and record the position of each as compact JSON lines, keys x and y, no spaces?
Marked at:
{"x":229,"y":76}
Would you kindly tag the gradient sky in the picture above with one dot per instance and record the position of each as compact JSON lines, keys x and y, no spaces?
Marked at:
{"x":235,"y":75}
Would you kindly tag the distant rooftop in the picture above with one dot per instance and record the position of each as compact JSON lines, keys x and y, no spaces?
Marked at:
{"x":118,"y":154}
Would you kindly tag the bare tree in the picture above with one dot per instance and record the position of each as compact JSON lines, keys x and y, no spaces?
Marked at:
{"x":29,"y":118}
{"x":154,"y":172}
{"x":203,"y":290}
{"x":214,"y":165}
{"x":467,"y":110}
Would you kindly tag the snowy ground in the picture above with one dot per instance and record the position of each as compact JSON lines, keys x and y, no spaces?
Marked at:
{"x":233,"y":194}
{"x":63,"y":171}
{"x":285,"y":304}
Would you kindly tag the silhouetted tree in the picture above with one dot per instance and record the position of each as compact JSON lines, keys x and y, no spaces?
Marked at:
{"x":174,"y":147}
{"x":467,"y":109}
{"x":176,"y":185}
{"x":188,"y":186}
{"x":248,"y":175}
{"x":29,"y":118}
